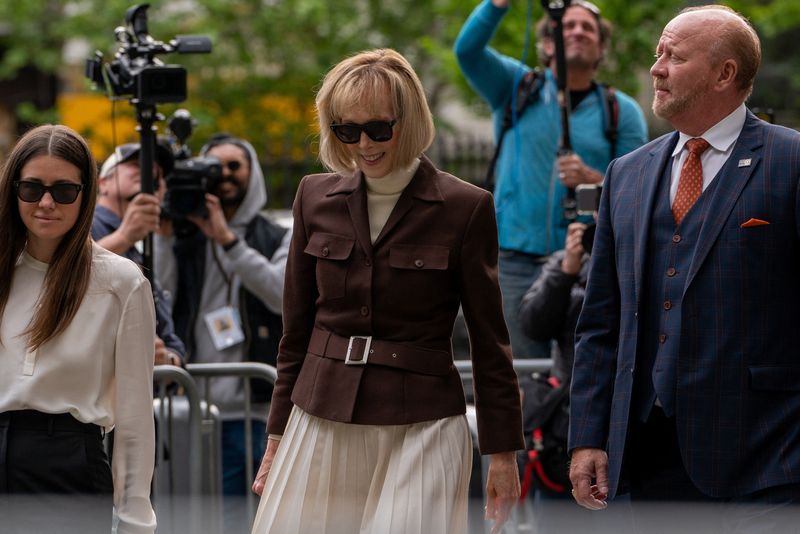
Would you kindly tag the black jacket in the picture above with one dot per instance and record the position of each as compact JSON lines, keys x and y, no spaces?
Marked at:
{"x":550,"y":309}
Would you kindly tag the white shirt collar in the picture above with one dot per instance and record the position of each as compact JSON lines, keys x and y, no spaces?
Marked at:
{"x":722,"y":135}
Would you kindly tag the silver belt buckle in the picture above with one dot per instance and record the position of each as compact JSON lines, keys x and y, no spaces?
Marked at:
{"x":364,"y":356}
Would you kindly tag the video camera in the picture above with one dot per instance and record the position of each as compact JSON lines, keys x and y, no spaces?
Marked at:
{"x":136,"y":72}
{"x":191,"y":178}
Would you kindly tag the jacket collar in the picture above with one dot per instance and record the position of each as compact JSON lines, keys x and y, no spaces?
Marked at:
{"x":423,"y":186}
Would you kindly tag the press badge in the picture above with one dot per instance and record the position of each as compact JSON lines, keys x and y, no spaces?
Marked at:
{"x":225,"y":327}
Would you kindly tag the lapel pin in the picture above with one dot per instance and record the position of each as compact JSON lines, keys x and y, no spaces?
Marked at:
{"x":745,"y":162}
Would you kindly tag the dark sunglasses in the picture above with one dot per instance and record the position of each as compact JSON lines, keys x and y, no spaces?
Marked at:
{"x":350,"y":133}
{"x":63,"y":193}
{"x":233,"y":166}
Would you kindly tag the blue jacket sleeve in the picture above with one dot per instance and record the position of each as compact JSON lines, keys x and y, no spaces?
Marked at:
{"x":488,"y":72}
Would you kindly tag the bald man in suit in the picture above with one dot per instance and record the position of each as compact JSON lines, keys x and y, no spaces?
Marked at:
{"x":686,"y":383}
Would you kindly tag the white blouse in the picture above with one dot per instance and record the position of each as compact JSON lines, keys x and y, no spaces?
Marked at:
{"x":100,"y":369}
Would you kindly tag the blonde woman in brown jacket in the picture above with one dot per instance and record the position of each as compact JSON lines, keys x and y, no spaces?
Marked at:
{"x":367,"y":430}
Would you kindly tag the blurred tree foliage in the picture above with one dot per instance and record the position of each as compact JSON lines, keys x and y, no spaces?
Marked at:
{"x":269,"y":55}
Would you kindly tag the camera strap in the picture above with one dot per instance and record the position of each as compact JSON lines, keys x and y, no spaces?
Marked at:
{"x":528,"y":90}
{"x":225,"y":276}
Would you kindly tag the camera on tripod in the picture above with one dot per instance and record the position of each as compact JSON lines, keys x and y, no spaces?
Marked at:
{"x":136,"y":72}
{"x":191,"y":178}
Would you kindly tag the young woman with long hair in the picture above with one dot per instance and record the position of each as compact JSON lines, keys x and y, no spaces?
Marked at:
{"x":76,"y":349}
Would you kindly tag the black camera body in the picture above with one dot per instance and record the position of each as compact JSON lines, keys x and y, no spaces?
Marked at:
{"x":135,"y":71}
{"x":191,"y":177}
{"x":188,"y":184}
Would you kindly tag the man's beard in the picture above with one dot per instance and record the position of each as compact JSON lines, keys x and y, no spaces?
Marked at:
{"x":679,"y":103}
{"x":230,"y":200}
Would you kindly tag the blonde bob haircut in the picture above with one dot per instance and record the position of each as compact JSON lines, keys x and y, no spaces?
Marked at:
{"x":354,"y":83}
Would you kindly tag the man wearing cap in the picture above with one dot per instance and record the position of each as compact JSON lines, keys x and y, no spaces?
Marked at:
{"x":124,"y":216}
{"x":226,"y":275}
{"x":531,"y":180}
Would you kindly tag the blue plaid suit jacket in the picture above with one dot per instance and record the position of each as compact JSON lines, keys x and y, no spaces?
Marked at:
{"x":738,"y":386}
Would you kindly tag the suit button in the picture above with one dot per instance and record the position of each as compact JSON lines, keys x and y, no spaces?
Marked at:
{"x":676,"y":238}
{"x":419,"y":264}
{"x":368,"y":262}
{"x":662,"y":338}
{"x":325,"y":252}
{"x":667,"y":305}
{"x":364,"y":311}
{"x":671,"y":271}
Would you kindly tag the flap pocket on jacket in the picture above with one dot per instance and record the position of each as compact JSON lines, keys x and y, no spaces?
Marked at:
{"x":329,"y":246}
{"x":775,"y":377}
{"x":419,"y":257}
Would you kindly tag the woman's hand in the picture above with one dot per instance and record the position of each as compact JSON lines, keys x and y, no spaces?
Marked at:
{"x":266,"y":464}
{"x":502,"y":488}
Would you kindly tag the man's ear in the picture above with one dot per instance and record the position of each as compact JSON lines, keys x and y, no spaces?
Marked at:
{"x":102,"y":185}
{"x":727,"y":75}
{"x":549,"y":47}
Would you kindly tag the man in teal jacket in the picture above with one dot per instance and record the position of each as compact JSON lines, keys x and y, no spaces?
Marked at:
{"x":531,"y":180}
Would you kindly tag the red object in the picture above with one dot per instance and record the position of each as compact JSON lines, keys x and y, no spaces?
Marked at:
{"x":750,"y":223}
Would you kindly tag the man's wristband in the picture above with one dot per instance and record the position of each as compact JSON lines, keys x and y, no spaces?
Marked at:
{"x":227,"y":246}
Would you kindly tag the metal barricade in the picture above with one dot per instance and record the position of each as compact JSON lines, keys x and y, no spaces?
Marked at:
{"x":247,"y":371}
{"x":163,"y":375}
{"x":521,"y":520}
{"x":176,"y":512}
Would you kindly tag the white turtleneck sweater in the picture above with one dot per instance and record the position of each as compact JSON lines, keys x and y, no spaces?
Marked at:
{"x":382,"y":195}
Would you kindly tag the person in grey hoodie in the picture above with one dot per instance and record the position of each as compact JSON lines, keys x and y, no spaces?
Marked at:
{"x":226,"y":279}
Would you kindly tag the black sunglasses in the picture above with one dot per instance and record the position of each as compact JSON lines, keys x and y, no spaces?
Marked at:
{"x":350,"y":133}
{"x":233,"y":165}
{"x":63,"y":193}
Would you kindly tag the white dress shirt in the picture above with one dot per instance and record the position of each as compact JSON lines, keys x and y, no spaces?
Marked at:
{"x":99,"y":370}
{"x":722,"y":138}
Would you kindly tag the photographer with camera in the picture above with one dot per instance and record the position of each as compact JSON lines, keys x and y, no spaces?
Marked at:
{"x":531,"y":179}
{"x":124,"y":216}
{"x":226,"y":276}
{"x":549,"y":311}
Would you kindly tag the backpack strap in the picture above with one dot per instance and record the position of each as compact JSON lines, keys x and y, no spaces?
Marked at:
{"x":608,"y":97}
{"x":527,"y":91}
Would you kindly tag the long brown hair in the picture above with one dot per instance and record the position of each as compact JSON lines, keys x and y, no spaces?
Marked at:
{"x":69,"y":271}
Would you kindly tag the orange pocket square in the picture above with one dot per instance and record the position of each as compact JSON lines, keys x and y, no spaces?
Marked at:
{"x":753,"y":222}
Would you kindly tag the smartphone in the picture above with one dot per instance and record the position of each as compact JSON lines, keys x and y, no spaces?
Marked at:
{"x":587,"y":198}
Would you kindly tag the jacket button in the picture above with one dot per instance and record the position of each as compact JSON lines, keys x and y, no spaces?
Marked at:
{"x":364,"y":311}
{"x":662,"y":338}
{"x":419,"y":264}
{"x":667,"y":305}
{"x":325,"y":252}
{"x":676,"y":238}
{"x":671,"y":271}
{"x":368,"y":262}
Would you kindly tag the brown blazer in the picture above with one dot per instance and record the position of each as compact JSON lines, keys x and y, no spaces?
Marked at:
{"x":437,"y":250}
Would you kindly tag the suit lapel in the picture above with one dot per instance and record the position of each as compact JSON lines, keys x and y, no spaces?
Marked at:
{"x":734,"y":177}
{"x":646,"y":186}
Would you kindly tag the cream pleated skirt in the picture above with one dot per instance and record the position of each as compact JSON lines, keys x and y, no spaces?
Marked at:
{"x":338,"y":478}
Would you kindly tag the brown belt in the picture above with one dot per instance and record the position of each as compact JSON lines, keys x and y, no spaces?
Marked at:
{"x":363,"y":350}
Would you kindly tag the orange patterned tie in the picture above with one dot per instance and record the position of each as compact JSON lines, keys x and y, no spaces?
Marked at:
{"x":690,"y":184}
